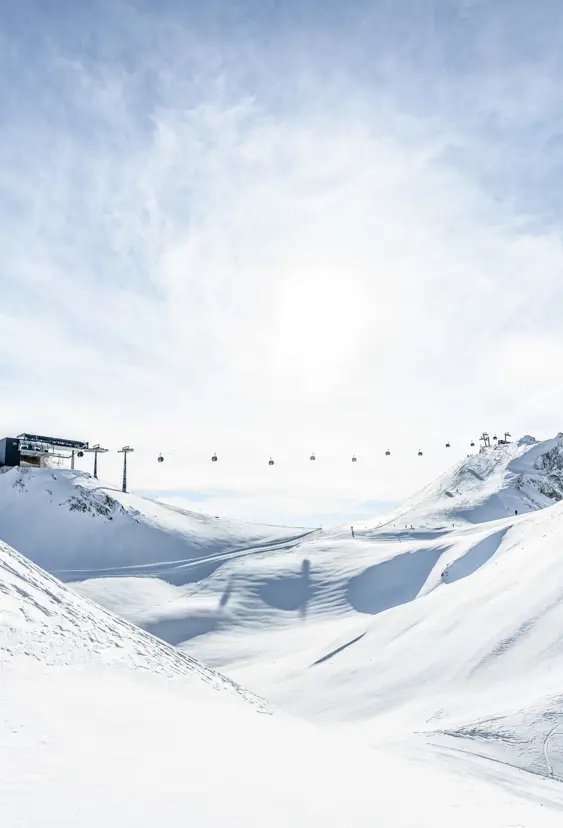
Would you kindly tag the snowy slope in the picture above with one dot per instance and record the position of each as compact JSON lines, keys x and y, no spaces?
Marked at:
{"x":80,"y":524}
{"x":432,"y":628}
{"x":468,"y":652}
{"x":103,"y":725}
{"x":490,"y":485}
{"x":43,"y":621}
{"x":307,"y":588}
{"x":485,"y":638}
{"x":444,"y":621}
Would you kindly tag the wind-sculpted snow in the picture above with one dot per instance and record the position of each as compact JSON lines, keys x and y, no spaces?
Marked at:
{"x":103,"y":725}
{"x":82,"y":526}
{"x":443,"y":618}
{"x":531,"y":738}
{"x":42,"y":619}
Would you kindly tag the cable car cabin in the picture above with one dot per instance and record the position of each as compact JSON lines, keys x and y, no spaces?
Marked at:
{"x":387,"y":453}
{"x":472,"y":444}
{"x":420,"y":454}
{"x":448,"y":445}
{"x":312,"y":457}
{"x":160,"y":458}
{"x":354,"y":458}
{"x":214,"y":458}
{"x":270,"y":462}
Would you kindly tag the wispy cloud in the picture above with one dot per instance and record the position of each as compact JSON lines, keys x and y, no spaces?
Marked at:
{"x":270,"y":231}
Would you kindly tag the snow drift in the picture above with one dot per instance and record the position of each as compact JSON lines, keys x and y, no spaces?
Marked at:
{"x":67,"y":520}
{"x":441,"y":619}
{"x":43,"y":621}
{"x":102,"y":724}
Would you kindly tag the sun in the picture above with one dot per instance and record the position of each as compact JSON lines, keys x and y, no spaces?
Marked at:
{"x":320,"y":322}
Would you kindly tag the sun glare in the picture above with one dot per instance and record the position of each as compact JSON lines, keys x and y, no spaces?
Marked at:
{"x":319,"y":324}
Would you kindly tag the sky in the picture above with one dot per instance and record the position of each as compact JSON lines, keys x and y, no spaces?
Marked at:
{"x":268,"y":228}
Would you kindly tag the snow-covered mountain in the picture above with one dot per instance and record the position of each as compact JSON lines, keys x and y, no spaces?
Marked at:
{"x":68,"y":520}
{"x":42,"y":620}
{"x":103,"y":725}
{"x":498,"y":482}
{"x":441,"y":619}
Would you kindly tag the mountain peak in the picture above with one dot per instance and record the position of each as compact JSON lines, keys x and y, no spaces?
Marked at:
{"x":499,"y":481}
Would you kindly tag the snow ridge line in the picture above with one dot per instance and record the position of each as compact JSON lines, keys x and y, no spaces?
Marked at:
{"x":546,"y":750}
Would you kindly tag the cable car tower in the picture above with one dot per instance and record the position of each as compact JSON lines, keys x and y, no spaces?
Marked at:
{"x":125,"y":451}
{"x":97,"y":449}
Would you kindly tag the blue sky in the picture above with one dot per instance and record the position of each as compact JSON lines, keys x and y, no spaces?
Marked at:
{"x":267,"y":228}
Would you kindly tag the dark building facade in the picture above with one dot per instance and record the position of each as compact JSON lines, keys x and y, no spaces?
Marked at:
{"x":10,"y":451}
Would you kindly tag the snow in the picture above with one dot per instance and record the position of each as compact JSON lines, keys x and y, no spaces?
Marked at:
{"x":523,"y":477}
{"x":103,"y":725}
{"x":44,"y":622}
{"x":428,"y":649}
{"x":92,"y":748}
{"x":80,"y":524}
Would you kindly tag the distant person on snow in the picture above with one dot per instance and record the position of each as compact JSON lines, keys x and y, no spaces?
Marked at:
{"x":352,"y":530}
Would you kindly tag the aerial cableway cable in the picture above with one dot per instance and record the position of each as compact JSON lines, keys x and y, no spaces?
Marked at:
{"x":312,"y":456}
